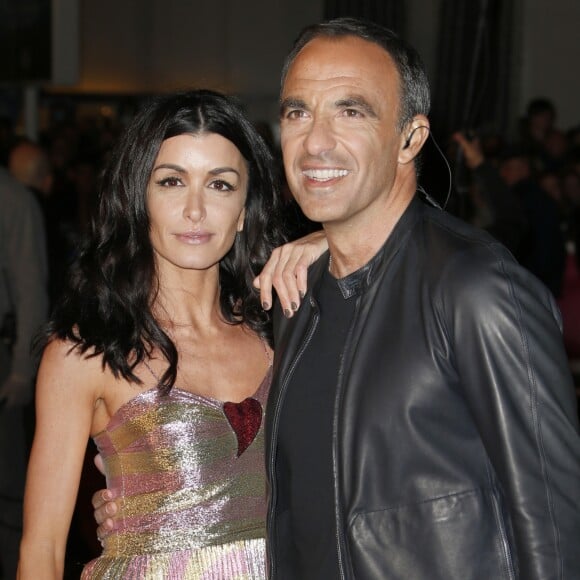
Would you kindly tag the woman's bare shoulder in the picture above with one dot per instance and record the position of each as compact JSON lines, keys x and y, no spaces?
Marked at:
{"x":63,"y":361}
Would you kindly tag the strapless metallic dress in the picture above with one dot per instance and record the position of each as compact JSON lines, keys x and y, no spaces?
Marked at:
{"x":189,"y":473}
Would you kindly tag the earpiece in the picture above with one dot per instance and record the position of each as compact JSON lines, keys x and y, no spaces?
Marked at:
{"x":419,"y":188}
{"x":410,"y":135}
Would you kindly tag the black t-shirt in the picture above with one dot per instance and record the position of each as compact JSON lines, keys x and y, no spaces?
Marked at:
{"x":305,"y":518}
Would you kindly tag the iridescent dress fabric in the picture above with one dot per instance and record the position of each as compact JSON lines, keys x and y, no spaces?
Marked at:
{"x":192,"y":489}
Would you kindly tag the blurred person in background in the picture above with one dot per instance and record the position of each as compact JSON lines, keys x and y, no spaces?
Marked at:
{"x":23,"y":308}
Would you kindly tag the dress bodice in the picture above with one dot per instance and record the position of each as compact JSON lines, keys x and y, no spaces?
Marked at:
{"x":174,"y":462}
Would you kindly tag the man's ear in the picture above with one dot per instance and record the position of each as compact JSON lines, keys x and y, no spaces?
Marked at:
{"x":413,"y":138}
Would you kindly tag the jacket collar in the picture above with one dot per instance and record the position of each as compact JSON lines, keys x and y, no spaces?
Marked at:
{"x":355,"y":283}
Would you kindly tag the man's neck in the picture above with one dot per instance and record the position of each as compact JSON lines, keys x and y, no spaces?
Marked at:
{"x":352,"y":244}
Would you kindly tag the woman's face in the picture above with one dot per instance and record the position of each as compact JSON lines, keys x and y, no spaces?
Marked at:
{"x":195,"y":200}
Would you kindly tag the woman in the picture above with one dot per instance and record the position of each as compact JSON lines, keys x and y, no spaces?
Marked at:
{"x":160,"y":351}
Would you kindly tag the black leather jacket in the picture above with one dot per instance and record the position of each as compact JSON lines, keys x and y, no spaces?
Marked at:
{"x":456,"y":451}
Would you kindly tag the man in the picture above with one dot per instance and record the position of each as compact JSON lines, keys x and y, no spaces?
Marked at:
{"x":421,"y":422}
{"x":23,"y":305}
{"x":29,"y":163}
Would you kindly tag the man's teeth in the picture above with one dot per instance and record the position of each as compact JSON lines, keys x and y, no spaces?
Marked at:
{"x":324,"y":174}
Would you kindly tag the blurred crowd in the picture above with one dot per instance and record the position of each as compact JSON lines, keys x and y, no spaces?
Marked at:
{"x":61,"y":170}
{"x":526,"y":192}
{"x":47,"y":193}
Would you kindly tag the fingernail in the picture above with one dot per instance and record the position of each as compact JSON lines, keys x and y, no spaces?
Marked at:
{"x":265,"y":305}
{"x":294,"y":306}
{"x":287,"y":313}
{"x":107,"y":495}
{"x":301,"y":294}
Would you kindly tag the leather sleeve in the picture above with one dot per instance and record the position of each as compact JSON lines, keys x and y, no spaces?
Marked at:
{"x":506,"y":332}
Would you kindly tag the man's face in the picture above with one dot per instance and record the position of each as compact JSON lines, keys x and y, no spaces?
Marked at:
{"x":340,"y":107}
{"x":514,"y":170}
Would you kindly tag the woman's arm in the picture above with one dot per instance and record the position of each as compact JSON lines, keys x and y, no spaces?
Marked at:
{"x":66,"y":392}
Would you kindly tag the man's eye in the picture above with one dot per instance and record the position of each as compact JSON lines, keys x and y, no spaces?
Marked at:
{"x":295,"y":114}
{"x":352,"y":113}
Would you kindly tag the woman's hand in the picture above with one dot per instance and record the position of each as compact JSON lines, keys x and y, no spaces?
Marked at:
{"x":287,"y":269}
{"x":105,"y":508}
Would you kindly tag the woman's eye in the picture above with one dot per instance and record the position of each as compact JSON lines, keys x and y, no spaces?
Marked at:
{"x":169,"y":182}
{"x":221,"y":185}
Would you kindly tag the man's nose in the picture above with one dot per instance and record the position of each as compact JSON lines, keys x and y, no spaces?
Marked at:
{"x":320,"y":137}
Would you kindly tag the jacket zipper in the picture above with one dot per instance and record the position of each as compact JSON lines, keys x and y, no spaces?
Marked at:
{"x":504,"y":541}
{"x":337,"y":507}
{"x":276,"y":421}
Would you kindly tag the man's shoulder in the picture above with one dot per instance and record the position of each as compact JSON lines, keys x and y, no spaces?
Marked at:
{"x":447,"y":235}
{"x":15,"y":198}
{"x":317,"y":268}
{"x":283,"y":325}
{"x":455,"y":255}
{"x":453,"y":225}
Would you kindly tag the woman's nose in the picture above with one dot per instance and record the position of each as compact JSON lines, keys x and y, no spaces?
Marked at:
{"x":194,"y":208}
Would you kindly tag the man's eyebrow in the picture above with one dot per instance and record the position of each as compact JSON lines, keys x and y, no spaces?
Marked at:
{"x":357,"y":101}
{"x":292,"y":103}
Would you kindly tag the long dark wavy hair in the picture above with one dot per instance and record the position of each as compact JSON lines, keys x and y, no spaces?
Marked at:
{"x":106,"y":308}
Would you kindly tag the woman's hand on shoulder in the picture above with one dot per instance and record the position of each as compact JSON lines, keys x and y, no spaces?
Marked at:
{"x":287,"y":271}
